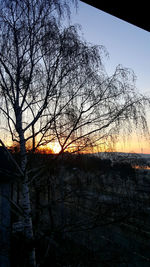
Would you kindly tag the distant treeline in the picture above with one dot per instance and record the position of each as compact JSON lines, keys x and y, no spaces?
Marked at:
{"x":80,"y":162}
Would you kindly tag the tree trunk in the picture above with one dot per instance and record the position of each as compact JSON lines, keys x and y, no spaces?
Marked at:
{"x":25,"y":200}
{"x":28,"y":227}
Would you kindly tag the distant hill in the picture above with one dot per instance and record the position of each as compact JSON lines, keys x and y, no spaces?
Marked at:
{"x":122,"y":154}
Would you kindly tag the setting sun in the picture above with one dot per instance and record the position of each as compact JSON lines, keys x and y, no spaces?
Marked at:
{"x":55,"y":147}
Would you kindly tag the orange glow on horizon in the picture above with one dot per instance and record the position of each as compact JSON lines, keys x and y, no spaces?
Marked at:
{"x":52,"y":148}
{"x":132,"y":144}
{"x":141,"y":167}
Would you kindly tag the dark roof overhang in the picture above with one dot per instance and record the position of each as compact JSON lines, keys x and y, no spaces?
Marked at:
{"x":136,"y":13}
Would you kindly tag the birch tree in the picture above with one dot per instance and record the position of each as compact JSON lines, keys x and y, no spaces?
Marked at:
{"x":26,"y":81}
{"x":53,"y":85}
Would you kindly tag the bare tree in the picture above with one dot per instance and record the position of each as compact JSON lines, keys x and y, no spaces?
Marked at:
{"x":27,"y":82}
{"x":100,"y":108}
{"x":54,"y":85}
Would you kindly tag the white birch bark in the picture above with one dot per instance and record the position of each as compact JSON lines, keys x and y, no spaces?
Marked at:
{"x":26,"y":204}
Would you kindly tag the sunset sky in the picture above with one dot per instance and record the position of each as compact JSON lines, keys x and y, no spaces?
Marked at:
{"x":127,"y":45}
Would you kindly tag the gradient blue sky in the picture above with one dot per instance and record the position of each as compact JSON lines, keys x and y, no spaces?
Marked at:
{"x":127,"y":44}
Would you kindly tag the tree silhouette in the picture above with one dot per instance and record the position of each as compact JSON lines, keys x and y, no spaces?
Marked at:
{"x":53,"y":85}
